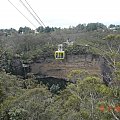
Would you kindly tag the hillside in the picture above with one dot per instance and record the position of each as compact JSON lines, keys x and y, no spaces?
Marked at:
{"x":83,"y":86}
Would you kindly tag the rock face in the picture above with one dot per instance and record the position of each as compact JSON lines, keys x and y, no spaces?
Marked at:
{"x":60,"y":69}
{"x":94,"y":64}
{"x":18,"y":68}
{"x":51,"y":82}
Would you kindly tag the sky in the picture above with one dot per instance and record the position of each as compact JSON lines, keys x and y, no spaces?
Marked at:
{"x":60,"y":13}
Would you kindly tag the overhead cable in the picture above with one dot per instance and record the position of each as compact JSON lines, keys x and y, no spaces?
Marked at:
{"x":21,"y":13}
{"x":35,"y":13}
{"x":30,"y":12}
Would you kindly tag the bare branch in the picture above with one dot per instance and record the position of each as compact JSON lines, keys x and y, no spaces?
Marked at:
{"x":115,"y":116}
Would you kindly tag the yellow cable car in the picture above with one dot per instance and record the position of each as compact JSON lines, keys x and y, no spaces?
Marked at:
{"x":60,"y":54}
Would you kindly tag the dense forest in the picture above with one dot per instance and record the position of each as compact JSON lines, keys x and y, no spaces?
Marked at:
{"x":82,"y":95}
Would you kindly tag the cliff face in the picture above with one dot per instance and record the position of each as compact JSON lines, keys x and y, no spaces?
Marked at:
{"x":60,"y":69}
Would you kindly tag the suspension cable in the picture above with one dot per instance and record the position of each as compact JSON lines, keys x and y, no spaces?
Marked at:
{"x":37,"y":16}
{"x":35,"y":13}
{"x":30,"y":12}
{"x":28,"y":19}
{"x":21,"y":13}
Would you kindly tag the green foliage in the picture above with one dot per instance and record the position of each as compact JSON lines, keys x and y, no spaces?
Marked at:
{"x":17,"y":114}
{"x":48,"y":50}
{"x":81,"y":27}
{"x":104,"y":90}
{"x":113,"y":40}
{"x":83,"y":100}
{"x":117,"y":74}
{"x":95,"y":26}
{"x":111,"y":26}
{"x":112,"y":54}
{"x":54,"y":88}
{"x":77,"y":74}
{"x":47,"y":29}
{"x":77,"y":49}
{"x":110,"y":37}
{"x":20,"y":103}
{"x":42,"y":52}
{"x":40,"y":29}
{"x":24,"y":99}
{"x":31,"y":54}
{"x":1,"y":94}
{"x":114,"y":27}
{"x":90,"y":27}
{"x":78,"y":101}
{"x":25,"y":30}
{"x":5,"y":106}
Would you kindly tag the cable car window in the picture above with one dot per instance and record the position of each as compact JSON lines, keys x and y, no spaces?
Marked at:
{"x":61,"y":55}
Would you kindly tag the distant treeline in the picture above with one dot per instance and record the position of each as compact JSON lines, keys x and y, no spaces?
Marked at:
{"x":79,"y":27}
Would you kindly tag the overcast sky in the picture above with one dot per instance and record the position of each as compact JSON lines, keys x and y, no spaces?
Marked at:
{"x":60,"y":13}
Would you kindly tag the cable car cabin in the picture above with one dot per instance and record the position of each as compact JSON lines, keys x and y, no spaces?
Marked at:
{"x":59,"y":55}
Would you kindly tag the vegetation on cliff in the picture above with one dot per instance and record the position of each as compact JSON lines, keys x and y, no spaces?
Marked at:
{"x":85,"y":98}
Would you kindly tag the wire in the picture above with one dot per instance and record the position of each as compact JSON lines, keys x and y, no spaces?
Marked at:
{"x":35,"y":13}
{"x":21,"y":13}
{"x":34,"y":16}
{"x":30,"y":12}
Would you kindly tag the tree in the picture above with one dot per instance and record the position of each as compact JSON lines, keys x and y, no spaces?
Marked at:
{"x":40,"y":29}
{"x":113,"y":45}
{"x":111,"y":26}
{"x":25,"y":30}
{"x":95,"y":26}
{"x":83,"y":99}
{"x":23,"y":103}
{"x":47,"y":29}
{"x":81,"y":27}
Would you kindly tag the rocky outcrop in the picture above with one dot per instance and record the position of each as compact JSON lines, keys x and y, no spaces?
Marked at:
{"x":106,"y":71}
{"x":16,"y":67}
{"x":61,"y":68}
